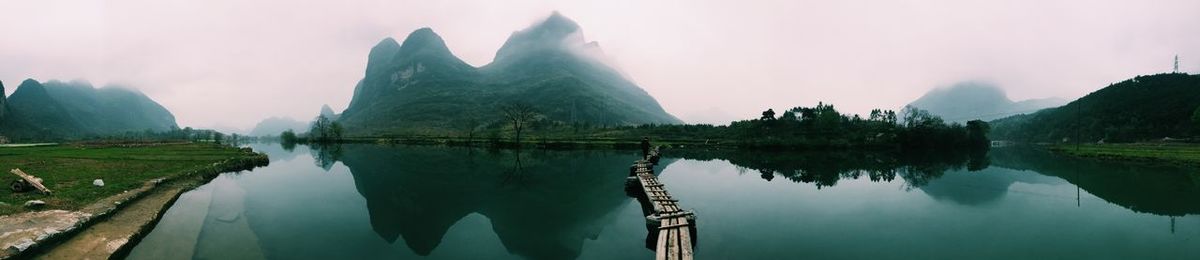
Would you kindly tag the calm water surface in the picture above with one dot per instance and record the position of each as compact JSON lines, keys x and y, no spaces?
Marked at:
{"x":416,"y":202}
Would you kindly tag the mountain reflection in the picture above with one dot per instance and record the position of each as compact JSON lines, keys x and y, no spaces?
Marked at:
{"x":977,"y":178}
{"x":545,"y":204}
{"x":542,"y":204}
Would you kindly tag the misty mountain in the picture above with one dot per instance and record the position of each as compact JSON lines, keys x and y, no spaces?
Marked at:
{"x":968,"y":101}
{"x":272,"y":126}
{"x":328,"y":113}
{"x":419,"y":84}
{"x":57,"y":109}
{"x":1138,"y":109}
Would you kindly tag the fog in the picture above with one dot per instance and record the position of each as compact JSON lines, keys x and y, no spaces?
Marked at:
{"x":228,"y":64}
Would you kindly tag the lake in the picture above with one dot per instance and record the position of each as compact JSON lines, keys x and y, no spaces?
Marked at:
{"x":429,"y":202}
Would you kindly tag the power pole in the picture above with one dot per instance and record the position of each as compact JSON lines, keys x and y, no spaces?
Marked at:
{"x":1176,"y":63}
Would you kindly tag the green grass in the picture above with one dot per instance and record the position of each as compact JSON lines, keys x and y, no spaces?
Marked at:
{"x":68,"y":170}
{"x":1185,"y":154}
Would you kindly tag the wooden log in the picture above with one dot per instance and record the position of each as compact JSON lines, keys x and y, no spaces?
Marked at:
{"x":678,"y":223}
{"x":32,"y":181}
{"x":679,"y":214}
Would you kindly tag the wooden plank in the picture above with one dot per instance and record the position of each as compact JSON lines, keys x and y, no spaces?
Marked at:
{"x":34,"y":181}
{"x":682,"y":223}
{"x":674,"y":235}
{"x":678,"y":214}
{"x":685,"y":240}
{"x":672,"y":240}
{"x":660,"y":249}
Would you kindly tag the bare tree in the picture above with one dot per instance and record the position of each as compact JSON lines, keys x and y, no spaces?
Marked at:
{"x":469,"y":126}
{"x":519,"y":115}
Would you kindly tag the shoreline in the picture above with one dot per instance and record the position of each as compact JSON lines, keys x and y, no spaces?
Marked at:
{"x":46,"y":233}
{"x":606,"y":143}
{"x":1181,"y":154}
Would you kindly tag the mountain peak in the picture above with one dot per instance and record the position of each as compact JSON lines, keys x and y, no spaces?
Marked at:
{"x":30,"y":86}
{"x":327,"y":111}
{"x":30,"y":82}
{"x":384,"y":49}
{"x":557,"y":23}
{"x":423,"y":39}
{"x":971,"y":100}
{"x":554,"y":32}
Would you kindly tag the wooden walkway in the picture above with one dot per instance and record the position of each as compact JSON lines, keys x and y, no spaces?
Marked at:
{"x":673,"y":226}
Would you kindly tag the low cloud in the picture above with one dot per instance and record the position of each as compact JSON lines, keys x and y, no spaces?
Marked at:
{"x":233,"y":63}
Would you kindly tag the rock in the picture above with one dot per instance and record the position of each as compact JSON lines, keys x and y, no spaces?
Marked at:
{"x":98,"y":183}
{"x":35,"y":204}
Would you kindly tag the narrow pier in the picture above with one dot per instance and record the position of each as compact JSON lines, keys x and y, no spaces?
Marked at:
{"x":671,"y":229}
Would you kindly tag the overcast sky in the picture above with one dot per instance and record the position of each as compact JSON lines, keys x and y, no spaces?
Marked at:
{"x":231,"y":63}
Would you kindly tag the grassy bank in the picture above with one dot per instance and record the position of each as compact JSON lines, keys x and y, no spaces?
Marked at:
{"x":68,"y":170}
{"x":1183,"y":154}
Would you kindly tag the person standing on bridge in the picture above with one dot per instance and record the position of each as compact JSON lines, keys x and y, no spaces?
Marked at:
{"x":645,"y":147}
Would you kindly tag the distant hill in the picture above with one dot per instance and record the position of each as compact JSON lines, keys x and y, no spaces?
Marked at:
{"x":420,"y":85}
{"x":56,"y":109}
{"x":272,"y":126}
{"x":1139,"y":109}
{"x":328,"y":113}
{"x":968,"y":101}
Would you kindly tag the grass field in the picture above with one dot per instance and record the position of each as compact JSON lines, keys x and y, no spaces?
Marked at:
{"x":68,"y":170}
{"x":1185,"y":154}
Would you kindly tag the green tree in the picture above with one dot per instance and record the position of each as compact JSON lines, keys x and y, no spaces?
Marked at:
{"x":977,"y":131}
{"x":1196,"y":119}
{"x":217,"y":136}
{"x":788,"y":116}
{"x":288,"y":136}
{"x":325,"y":130}
{"x":768,"y":115}
{"x":915,"y":117}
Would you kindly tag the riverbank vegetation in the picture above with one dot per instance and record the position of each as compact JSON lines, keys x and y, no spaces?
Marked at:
{"x":69,"y":170}
{"x":1184,"y":154}
{"x":1159,"y":107}
{"x":800,"y":128}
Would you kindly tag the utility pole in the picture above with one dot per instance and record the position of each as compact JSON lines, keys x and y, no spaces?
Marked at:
{"x":1176,"y":63}
{"x":1078,"y":124}
{"x":1172,"y":224}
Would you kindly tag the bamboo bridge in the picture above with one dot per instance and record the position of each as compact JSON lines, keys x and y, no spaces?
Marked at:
{"x":671,"y":230}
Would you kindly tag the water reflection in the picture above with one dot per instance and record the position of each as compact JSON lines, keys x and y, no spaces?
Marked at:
{"x":372,"y":201}
{"x":325,"y":155}
{"x":825,"y":169}
{"x":542,"y":204}
{"x":1156,"y":189}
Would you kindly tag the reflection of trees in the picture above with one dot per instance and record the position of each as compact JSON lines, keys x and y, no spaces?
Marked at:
{"x":325,"y":154}
{"x":1156,"y":189}
{"x":288,"y":146}
{"x":826,"y":168}
{"x":513,"y":175}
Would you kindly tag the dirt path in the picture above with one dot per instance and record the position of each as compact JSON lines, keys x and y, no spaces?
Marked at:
{"x":103,"y":239}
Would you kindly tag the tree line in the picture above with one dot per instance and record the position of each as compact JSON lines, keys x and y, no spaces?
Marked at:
{"x":820,"y":126}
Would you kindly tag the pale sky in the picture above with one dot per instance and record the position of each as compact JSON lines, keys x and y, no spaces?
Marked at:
{"x":230,"y":63}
